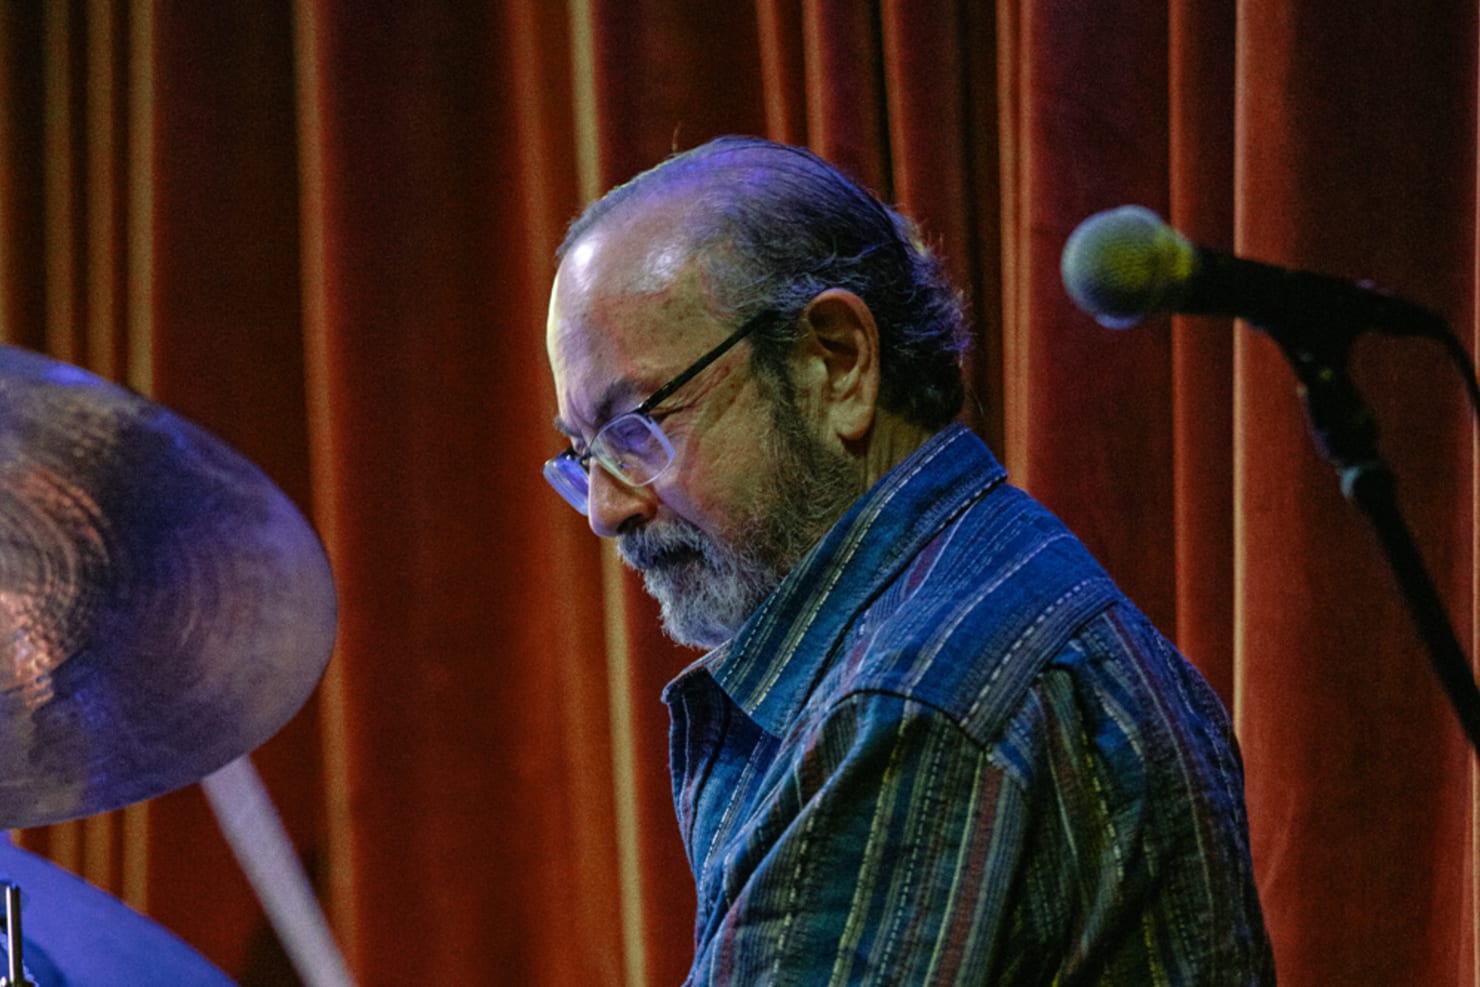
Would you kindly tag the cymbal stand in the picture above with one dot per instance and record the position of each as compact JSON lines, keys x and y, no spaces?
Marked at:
{"x":255,"y":832}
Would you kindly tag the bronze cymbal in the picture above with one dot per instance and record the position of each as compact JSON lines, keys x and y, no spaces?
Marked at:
{"x":164,"y":608}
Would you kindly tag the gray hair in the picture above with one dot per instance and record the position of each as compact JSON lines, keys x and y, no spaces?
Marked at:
{"x":775,"y":226}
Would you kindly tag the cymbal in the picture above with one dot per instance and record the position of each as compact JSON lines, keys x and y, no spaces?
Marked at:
{"x":73,"y":933}
{"x":164,"y":608}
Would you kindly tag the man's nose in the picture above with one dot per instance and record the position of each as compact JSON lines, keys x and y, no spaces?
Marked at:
{"x":613,"y":507}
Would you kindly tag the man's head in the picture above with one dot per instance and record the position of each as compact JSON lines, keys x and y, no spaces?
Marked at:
{"x":849,"y":359}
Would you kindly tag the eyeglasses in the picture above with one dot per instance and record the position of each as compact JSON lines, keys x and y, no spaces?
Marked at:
{"x":632,"y":447}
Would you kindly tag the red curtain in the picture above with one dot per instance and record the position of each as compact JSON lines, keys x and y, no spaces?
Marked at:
{"x":324,"y":230}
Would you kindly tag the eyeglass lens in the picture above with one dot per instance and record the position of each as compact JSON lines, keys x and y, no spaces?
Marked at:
{"x":630,"y":447}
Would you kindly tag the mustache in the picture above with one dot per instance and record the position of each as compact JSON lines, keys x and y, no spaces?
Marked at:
{"x":651,"y":547}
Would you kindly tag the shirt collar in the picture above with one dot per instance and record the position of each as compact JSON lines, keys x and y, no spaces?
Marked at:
{"x":769,"y":667}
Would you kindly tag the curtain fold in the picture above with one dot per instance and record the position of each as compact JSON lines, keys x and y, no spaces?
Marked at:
{"x":1356,"y":157}
{"x":1202,"y":83}
{"x":325,"y":231}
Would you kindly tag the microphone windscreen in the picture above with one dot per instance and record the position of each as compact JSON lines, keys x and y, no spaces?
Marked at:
{"x":1123,"y":265}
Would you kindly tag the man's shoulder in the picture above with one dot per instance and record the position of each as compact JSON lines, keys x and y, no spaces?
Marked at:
{"x":969,"y":624}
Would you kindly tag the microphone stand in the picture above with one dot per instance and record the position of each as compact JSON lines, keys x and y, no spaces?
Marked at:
{"x":1346,"y":433}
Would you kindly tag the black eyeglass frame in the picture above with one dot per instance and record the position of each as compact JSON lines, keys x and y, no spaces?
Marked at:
{"x":664,"y":393}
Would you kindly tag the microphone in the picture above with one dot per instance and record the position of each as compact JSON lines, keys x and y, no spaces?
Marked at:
{"x":1125,"y":265}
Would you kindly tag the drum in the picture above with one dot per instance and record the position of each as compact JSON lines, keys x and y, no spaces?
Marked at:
{"x":74,"y":935}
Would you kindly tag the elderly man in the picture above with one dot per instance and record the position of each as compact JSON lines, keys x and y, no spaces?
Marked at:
{"x":931,"y":742}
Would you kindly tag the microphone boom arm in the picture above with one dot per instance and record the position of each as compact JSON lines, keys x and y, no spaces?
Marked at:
{"x":1125,"y":265}
{"x":1345,"y":430}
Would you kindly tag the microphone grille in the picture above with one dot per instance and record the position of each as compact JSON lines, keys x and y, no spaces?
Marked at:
{"x":1123,"y":265}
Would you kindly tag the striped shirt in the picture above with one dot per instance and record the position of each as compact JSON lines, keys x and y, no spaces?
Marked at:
{"x":947,"y":750}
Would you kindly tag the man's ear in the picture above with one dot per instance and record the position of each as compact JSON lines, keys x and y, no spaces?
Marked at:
{"x":844,"y":342}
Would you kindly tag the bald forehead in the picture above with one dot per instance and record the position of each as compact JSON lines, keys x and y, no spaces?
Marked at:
{"x":642,"y":257}
{"x":638,"y":265}
{"x":631,"y":306}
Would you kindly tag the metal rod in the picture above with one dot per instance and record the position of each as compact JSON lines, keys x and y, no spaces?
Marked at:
{"x":255,"y":832}
{"x":15,"y":968}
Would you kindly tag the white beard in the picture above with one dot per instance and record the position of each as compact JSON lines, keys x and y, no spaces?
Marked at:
{"x":707,"y":587}
{"x":704,"y":587}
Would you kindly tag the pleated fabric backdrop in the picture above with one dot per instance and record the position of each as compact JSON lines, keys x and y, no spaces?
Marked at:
{"x":325,"y":232}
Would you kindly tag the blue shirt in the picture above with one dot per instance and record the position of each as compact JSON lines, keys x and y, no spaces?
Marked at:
{"x":947,"y":750}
